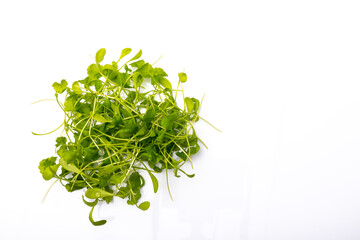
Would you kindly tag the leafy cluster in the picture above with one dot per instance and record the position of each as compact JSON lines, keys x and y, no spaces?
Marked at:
{"x":121,"y":122}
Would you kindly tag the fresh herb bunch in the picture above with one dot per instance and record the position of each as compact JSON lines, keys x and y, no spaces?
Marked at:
{"x":121,"y":122}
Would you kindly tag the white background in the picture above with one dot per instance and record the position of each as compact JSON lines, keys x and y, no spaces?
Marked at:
{"x":280,"y":78}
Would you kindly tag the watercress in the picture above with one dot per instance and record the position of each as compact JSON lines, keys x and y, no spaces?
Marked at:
{"x":120,"y":122}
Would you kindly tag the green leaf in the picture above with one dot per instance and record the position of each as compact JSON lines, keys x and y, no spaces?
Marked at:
{"x":127,"y":69}
{"x":168,"y":121}
{"x":76,"y":88}
{"x":60,"y":87}
{"x":60,"y":141}
{"x":138,"y":64}
{"x":93,"y":70}
{"x":123,"y":192}
{"x":108,"y":169}
{"x":146,"y":70}
{"x":154,"y":182}
{"x":110,"y":72}
{"x":48,"y":168}
{"x":69,"y":156}
{"x":137,"y":79}
{"x":182,"y":77}
{"x":124,"y":52}
{"x":159,"y":139}
{"x":165,"y":83}
{"x":195,"y":149}
{"x":182,"y":155}
{"x":94,"y":193}
{"x":135,"y":180}
{"x":101,"y":118}
{"x":70,"y":167}
{"x":104,"y":181}
{"x":114,"y":64}
{"x":196,"y":104}
{"x":144,"y":205}
{"x":100,"y":55}
{"x":98,"y":84}
{"x":134,"y":198}
{"x":69,"y":104}
{"x":115,"y":108}
{"x":149,"y":115}
{"x":116,"y":179}
{"x":108,"y":199}
{"x":159,"y":72}
{"x":90,"y":154}
{"x":137,"y":56}
{"x":127,"y":131}
{"x":189,"y":104}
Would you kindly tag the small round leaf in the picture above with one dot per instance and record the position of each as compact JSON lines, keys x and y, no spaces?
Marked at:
{"x":100,"y":55}
{"x":144,"y":205}
{"x":182,"y":77}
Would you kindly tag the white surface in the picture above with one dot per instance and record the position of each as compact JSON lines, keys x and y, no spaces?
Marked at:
{"x":281,"y":80}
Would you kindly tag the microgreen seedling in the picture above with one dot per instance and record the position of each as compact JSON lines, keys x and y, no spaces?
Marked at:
{"x":120,"y":122}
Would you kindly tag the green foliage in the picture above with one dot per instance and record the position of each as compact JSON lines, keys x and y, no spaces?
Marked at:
{"x":137,"y":56}
{"x":76,"y":88}
{"x":189,"y":104}
{"x":60,"y":87}
{"x":100,"y":55}
{"x":124,"y":52}
{"x":48,"y":168}
{"x":182,"y":77}
{"x":116,"y":128}
{"x":154,"y":181}
{"x":144,"y":206}
{"x":95,"y":193}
